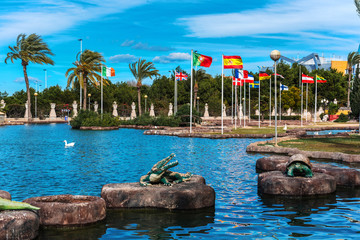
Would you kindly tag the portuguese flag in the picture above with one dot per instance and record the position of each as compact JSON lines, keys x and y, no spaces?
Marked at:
{"x":320,"y":79}
{"x":201,"y":60}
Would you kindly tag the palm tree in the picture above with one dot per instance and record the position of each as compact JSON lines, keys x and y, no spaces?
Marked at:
{"x":29,"y":49}
{"x":199,"y":75}
{"x":87,"y":70}
{"x":353,"y":58}
{"x":357,"y":4}
{"x":141,"y":70}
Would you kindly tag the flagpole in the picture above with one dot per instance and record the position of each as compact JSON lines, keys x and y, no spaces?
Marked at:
{"x":191,"y":90}
{"x":175,"y":97}
{"x":240,"y":103}
{"x":232,"y":104}
{"x":315,"y":98}
{"x":235,"y":102}
{"x":102,"y":102}
{"x":244,"y":103}
{"x":222,"y":95}
{"x":302,"y":97}
{"x":249,"y":104}
{"x":270,"y":112}
{"x":259,"y":98}
{"x":307,"y":92}
{"x":280,"y":102}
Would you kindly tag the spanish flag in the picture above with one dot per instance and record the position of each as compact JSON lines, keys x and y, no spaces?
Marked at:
{"x":232,"y":62}
{"x":320,"y":79}
{"x":264,"y":76}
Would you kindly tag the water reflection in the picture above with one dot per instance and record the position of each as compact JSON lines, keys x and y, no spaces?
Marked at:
{"x":160,"y":224}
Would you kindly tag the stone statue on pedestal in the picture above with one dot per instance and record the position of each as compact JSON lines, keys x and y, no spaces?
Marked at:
{"x":224,"y":110}
{"x":75,"y":111}
{"x":206,"y":113}
{"x":52,"y":111}
{"x":133,"y":111}
{"x":115,"y":112}
{"x":2,"y":104}
{"x":152,"y":112}
{"x":96,"y":106}
{"x":26,"y":110}
{"x":170,"y":110}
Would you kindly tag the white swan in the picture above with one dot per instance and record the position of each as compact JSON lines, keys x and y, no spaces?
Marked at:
{"x":69,"y":144}
{"x":316,"y":133}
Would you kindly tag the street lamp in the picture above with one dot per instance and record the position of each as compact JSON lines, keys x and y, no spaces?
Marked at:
{"x":89,"y":95}
{"x":45,"y":78}
{"x":275,"y":55}
{"x":198,"y":98}
{"x":145,"y":101}
{"x":35,"y":94}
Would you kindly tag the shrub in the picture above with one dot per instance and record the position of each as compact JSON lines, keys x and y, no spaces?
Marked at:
{"x":146,"y":120}
{"x":87,"y":118}
{"x":184,"y":114}
{"x":342,"y":118}
{"x":333,"y":108}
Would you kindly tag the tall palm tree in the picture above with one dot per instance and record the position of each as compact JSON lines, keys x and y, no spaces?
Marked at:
{"x":87,"y":70}
{"x":357,"y":4}
{"x":29,"y":49}
{"x":353,"y":58}
{"x":199,"y":75}
{"x":141,"y":70}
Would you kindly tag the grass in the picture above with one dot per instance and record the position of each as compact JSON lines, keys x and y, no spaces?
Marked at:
{"x":256,"y":130}
{"x":350,"y":145}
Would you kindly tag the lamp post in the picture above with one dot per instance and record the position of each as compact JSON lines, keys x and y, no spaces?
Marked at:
{"x":198,"y":101}
{"x":80,"y":75}
{"x":45,"y":78}
{"x":89,"y":95}
{"x":275,"y":55}
{"x":145,"y":101}
{"x":35,"y":94}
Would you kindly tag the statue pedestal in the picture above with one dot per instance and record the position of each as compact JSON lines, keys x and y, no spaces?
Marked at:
{"x":192,"y":194}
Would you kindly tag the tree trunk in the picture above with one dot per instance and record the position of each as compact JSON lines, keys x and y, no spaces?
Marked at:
{"x":24,"y":64}
{"x":348,"y":95}
{"x":85,"y":94}
{"x":139,"y":98}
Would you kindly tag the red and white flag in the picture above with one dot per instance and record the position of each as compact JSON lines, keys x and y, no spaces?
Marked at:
{"x":281,"y":76}
{"x":307,"y":79}
{"x":236,"y":81}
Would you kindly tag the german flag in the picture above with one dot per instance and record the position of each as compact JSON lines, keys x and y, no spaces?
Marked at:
{"x":264,"y":76}
{"x":233,"y":62}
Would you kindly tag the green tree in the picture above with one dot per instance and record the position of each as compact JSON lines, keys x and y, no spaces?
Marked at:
{"x":29,"y":49}
{"x":355,"y":98}
{"x":87,"y":70}
{"x":353,"y":58}
{"x":141,"y":70}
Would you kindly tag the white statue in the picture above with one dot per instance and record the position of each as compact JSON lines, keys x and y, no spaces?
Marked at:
{"x":206,"y":113}
{"x":240,"y":112}
{"x":2,"y":104}
{"x":170,"y":113}
{"x":115,"y":112}
{"x":288,"y":112}
{"x":96,"y":106}
{"x":257,"y":112}
{"x":133,"y":111}
{"x":224,"y":110}
{"x":152,"y":112}
{"x":26,"y":110}
{"x":75,"y":112}
{"x":52,"y":111}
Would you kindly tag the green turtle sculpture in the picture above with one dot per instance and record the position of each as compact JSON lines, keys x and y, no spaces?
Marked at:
{"x":159,"y":173}
{"x":299,"y":166}
{"x":6,"y":204}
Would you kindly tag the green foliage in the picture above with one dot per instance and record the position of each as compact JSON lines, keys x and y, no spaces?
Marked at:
{"x":278,"y":117}
{"x":184,"y":114}
{"x":355,"y":96}
{"x":333,"y":108}
{"x":146,"y":120}
{"x":88,"y":118}
{"x":342,"y":118}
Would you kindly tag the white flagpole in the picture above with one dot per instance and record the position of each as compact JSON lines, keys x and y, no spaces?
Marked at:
{"x":302,"y":97}
{"x":259,"y":99}
{"x":270,"y":104}
{"x":244,"y":103}
{"x":249,"y":105}
{"x":307,"y":91}
{"x":315,"y":98}
{"x":240,"y":104}
{"x":102,"y":102}
{"x":280,"y":101}
{"x":175,"y":97}
{"x":235,"y":101}
{"x":191,"y":90}
{"x":222,"y":95}
{"x":232,"y":104}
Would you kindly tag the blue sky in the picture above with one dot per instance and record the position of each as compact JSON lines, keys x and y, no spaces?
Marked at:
{"x":165,"y":31}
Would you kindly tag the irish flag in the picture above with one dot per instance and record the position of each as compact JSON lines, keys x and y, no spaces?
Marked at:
{"x":107,"y":72}
{"x":320,"y":79}
{"x":201,"y":60}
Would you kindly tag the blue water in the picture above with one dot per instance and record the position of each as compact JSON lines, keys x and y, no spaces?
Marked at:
{"x":34,"y":162}
{"x":326,"y":132}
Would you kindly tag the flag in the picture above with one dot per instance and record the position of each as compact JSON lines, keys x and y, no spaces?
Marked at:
{"x":281,"y":76}
{"x":307,"y":79}
{"x":236,"y":81}
{"x":107,"y":72}
{"x":233,"y":62}
{"x":320,"y":79}
{"x":264,"y":76}
{"x":284,"y":87}
{"x":255,"y":84}
{"x":241,"y":74}
{"x":180,"y":76}
{"x":201,"y":60}
{"x":249,"y":79}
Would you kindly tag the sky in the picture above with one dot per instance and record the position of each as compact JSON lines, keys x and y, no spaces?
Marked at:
{"x":165,"y":31}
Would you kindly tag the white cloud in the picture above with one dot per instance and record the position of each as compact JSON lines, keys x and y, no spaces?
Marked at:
{"x":31,"y":79}
{"x":327,"y":18}
{"x":127,"y":58}
{"x":172,"y":57}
